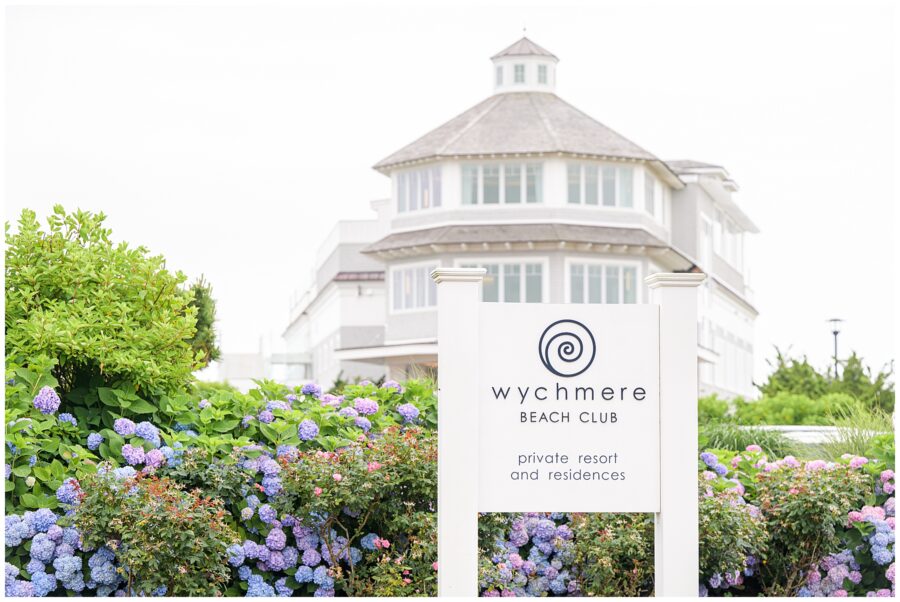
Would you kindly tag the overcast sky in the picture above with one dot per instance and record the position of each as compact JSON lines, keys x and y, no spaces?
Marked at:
{"x":230,"y":139}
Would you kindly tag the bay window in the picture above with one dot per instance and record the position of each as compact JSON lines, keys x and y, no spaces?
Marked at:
{"x":602,"y":283}
{"x":511,"y":282}
{"x":502,"y":183}
{"x":419,"y":189}
{"x":412,"y":288}
{"x":591,"y":184}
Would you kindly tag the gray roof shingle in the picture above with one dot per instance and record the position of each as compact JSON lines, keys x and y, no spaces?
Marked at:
{"x":524,"y":47}
{"x":519,"y":122}
{"x":515,"y":233}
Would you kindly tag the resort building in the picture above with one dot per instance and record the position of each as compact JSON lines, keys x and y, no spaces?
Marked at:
{"x":556,"y":206}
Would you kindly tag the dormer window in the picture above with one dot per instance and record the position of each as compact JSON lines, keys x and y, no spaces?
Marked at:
{"x":519,"y":74}
{"x":499,"y":77}
{"x":542,"y":74}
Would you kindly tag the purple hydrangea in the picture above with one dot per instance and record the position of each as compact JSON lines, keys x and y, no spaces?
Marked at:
{"x":266,"y":417}
{"x":709,"y":459}
{"x":154,"y":458}
{"x":94,"y":440}
{"x":363,"y":423}
{"x":392,"y":384}
{"x":311,"y":557}
{"x":267,"y":514}
{"x":308,"y":430}
{"x":133,"y":455}
{"x":312,"y":389}
{"x":348,"y":413}
{"x":235,"y":554}
{"x":47,"y":401}
{"x":67,"y":493}
{"x":276,"y":539}
{"x":409,"y":412}
{"x":66,"y":417}
{"x":245,"y":422}
{"x":365,"y":406}
{"x":204,"y":403}
{"x":124,"y":427}
{"x":148,"y":432}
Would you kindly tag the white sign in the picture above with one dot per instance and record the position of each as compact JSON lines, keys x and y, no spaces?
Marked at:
{"x":568,"y":408}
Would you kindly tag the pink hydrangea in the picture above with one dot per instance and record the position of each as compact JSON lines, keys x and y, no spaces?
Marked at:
{"x":887,"y":475}
{"x":816,"y":465}
{"x":876,"y":512}
{"x":854,"y":516}
{"x":858,"y":462}
{"x":839,"y":593}
{"x":791,"y":461}
{"x":754,"y":448}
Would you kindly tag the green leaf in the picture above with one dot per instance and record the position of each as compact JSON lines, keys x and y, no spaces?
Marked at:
{"x":224,"y":426}
{"x":22,"y":471}
{"x":109,"y":396}
{"x":142,"y":407}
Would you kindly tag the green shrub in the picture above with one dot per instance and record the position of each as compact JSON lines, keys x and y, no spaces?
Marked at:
{"x":108,"y":313}
{"x":858,"y":423}
{"x":789,"y":408}
{"x":614,"y":553}
{"x":804,"y":511}
{"x":711,"y":409}
{"x":736,"y":438}
{"x":162,"y":536}
{"x":732,"y":535}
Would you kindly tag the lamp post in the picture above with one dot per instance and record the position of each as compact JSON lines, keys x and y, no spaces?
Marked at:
{"x":835,"y":330}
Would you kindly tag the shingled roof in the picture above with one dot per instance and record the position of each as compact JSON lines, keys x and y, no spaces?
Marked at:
{"x":524,"y":47}
{"x":519,"y":123}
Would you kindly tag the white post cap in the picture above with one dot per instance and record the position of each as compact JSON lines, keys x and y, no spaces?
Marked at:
{"x":661,"y":279}
{"x":458,"y":274}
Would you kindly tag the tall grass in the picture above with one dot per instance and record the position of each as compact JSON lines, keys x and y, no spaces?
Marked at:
{"x":736,"y":438}
{"x":858,"y":423}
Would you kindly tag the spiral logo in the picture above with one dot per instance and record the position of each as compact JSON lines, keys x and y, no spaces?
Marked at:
{"x":567,"y":348}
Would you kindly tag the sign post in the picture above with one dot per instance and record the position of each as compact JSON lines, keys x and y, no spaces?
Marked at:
{"x":567,"y":408}
{"x":677,"y":535}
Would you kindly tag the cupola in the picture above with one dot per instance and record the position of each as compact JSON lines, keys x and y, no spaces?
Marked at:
{"x":524,"y":67}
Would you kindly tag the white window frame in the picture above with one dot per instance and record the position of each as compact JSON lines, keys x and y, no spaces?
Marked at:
{"x":617,"y":168}
{"x":402,"y":180}
{"x":621,"y":263}
{"x":521,"y":261}
{"x":543,"y":71}
{"x":516,"y":69}
{"x":501,"y":165}
{"x":392,"y":270}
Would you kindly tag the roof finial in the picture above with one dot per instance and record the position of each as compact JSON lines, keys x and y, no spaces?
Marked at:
{"x":524,"y":31}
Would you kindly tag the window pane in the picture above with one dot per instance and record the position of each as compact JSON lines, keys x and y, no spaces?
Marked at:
{"x":499,"y":76}
{"x":574,"y":179}
{"x":629,"y":285}
{"x":491,"y":287}
{"x":542,"y":74}
{"x":626,"y":187}
{"x":612,"y":284}
{"x":576,"y":278}
{"x":595,"y":284}
{"x":512,"y":181}
{"x":511,"y":283}
{"x":533,"y":283}
{"x":397,"y":276}
{"x":534,"y":183}
{"x":413,"y":190}
{"x":421,"y":275}
{"x":649,"y":194}
{"x":469,"y":184}
{"x":408,"y":291}
{"x":609,"y":186}
{"x":436,"y":186}
{"x":590,"y":184}
{"x":520,"y":74}
{"x":425,"y":188}
{"x":491,"y":176}
{"x":401,"y":193}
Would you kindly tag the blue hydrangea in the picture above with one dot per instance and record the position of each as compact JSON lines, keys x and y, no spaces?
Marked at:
{"x":32,"y":460}
{"x":104,"y":574}
{"x":126,"y":472}
{"x":304,"y":574}
{"x":94,"y":440}
{"x":12,"y":571}
{"x":291,"y":556}
{"x":368,"y":541}
{"x":282,"y":589}
{"x":363,"y":423}
{"x":246,"y":513}
{"x":244,"y":573}
{"x":34,"y":566}
{"x":392,"y":384}
{"x":409,"y":412}
{"x":286,"y":451}
{"x":257,"y":588}
{"x":70,"y":536}
{"x":709,"y":459}
{"x":275,"y":561}
{"x":66,"y":417}
{"x":276,"y":539}
{"x":720,"y":469}
{"x":311,"y":557}
{"x":308,"y":430}
{"x":235,"y":555}
{"x":147,"y":432}
{"x":267,"y":514}
{"x":246,"y":420}
{"x":42,"y":548}
{"x":67,"y":493}
{"x":46,"y":401}
{"x":348,"y":413}
{"x":266,"y":417}
{"x":311,"y":389}
{"x":67,"y":567}
{"x":43,"y":519}
{"x":321,"y":577}
{"x":324,"y":592}
{"x":355,"y":556}
{"x":8,"y":470}
{"x":133,"y":454}
{"x":252,"y":501}
{"x":43,"y":584}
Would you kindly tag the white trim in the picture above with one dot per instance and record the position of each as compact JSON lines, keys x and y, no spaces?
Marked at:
{"x":614,"y":262}
{"x":501,"y":183}
{"x":389,"y":284}
{"x":521,"y":261}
